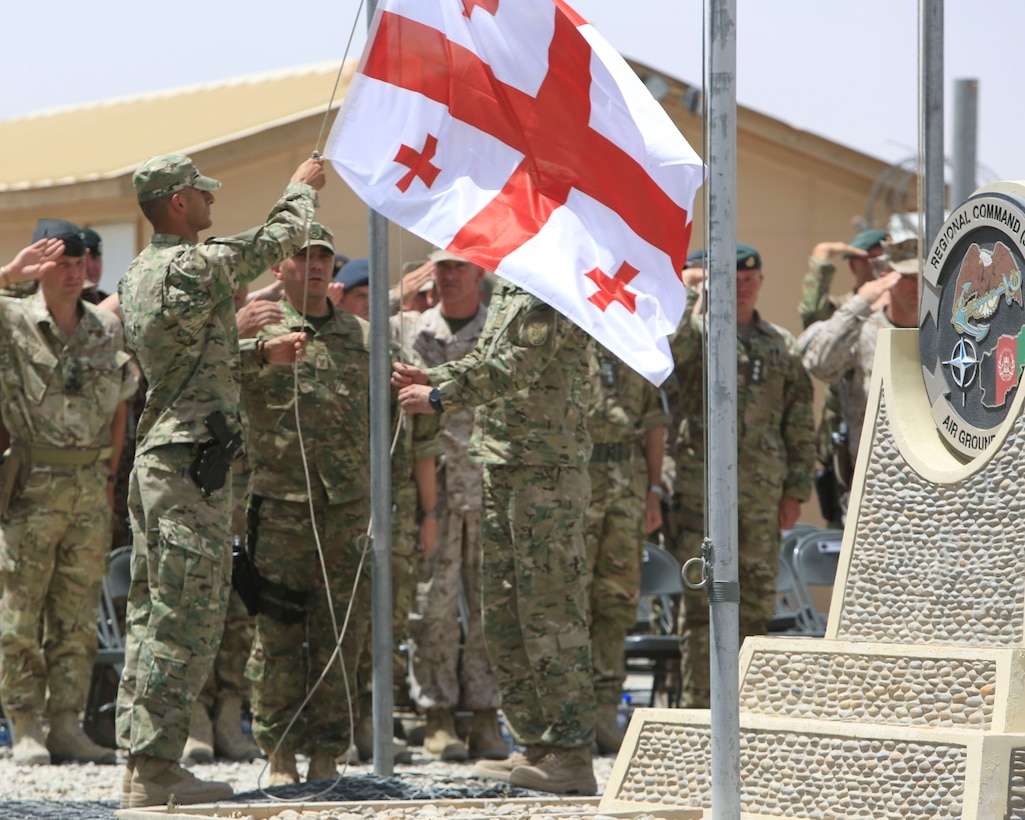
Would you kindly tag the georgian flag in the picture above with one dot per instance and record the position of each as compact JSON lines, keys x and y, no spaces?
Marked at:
{"x":511,"y":133}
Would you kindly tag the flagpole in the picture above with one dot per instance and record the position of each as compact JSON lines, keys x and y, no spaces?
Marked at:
{"x":932,"y":190}
{"x":380,"y":488}
{"x":721,"y":373}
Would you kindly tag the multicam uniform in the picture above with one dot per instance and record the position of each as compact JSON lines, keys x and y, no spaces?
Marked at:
{"x":59,"y":397}
{"x":776,"y":443}
{"x":334,"y":422}
{"x":624,"y":407}
{"x":176,"y":299}
{"x":527,"y":377}
{"x":444,"y":678}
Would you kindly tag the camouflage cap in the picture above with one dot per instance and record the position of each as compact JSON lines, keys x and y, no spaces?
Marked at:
{"x":748,"y":257}
{"x":866,"y":240}
{"x":319,"y":235}
{"x":164,"y":175}
{"x":908,"y":267}
{"x":68,"y":232}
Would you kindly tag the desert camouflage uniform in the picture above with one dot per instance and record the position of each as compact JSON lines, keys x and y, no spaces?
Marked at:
{"x":179,"y":315}
{"x":776,"y":442}
{"x":840,"y":351}
{"x":59,"y":397}
{"x":419,"y":439}
{"x":528,"y":379}
{"x":442,"y":677}
{"x":334,"y":410}
{"x":624,"y":407}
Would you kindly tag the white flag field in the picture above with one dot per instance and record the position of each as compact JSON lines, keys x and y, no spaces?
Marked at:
{"x":512,"y":134}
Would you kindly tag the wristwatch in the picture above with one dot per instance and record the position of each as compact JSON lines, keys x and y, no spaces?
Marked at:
{"x":434,"y":397}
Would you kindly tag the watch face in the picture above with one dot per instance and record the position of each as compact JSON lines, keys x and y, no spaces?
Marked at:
{"x":972,"y":316}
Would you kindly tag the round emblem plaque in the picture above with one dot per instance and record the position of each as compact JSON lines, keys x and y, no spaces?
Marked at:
{"x":972,"y":316}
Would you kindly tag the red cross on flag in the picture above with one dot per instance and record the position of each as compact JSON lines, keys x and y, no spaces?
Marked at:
{"x":511,"y":133}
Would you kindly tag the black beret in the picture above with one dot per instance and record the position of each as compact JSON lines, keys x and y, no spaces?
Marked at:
{"x":93,"y":242}
{"x":74,"y":245}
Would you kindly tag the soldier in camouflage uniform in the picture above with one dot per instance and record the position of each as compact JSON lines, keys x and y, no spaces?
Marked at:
{"x":442,"y":677}
{"x":64,"y":378}
{"x":818,"y":304}
{"x":627,"y":422}
{"x":297,"y":603}
{"x":776,"y":443}
{"x":841,"y":350}
{"x":176,"y":300}
{"x":528,"y":379}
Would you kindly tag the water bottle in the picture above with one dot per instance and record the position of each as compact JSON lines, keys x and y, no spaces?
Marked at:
{"x":5,"y":734}
{"x":625,"y":710}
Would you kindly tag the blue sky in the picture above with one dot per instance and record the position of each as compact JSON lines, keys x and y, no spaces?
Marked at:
{"x":842,"y":69}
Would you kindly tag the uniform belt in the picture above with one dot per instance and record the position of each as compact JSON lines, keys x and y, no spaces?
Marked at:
{"x":70,"y":456}
{"x":619,"y":451}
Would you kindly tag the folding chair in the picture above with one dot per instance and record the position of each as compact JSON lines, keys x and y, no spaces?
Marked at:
{"x":110,"y":656}
{"x":791,"y":615}
{"x":815,"y":560}
{"x":657,"y":653}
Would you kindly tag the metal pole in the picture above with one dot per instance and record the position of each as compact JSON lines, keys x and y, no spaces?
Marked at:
{"x":966,"y":107}
{"x":930,"y":123}
{"x":380,"y":488}
{"x":721,"y":460}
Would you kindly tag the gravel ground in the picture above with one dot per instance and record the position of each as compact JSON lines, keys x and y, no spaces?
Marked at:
{"x":91,"y":792}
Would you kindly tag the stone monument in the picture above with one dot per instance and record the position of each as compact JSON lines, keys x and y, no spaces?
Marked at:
{"x":912,"y":705}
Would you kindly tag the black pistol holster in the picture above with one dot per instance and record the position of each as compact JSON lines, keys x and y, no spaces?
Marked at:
{"x":260,"y":595}
{"x":212,"y":462}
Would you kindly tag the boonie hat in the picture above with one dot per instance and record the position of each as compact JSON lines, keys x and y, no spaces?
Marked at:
{"x":164,"y":175}
{"x":74,"y":245}
{"x":354,"y":273}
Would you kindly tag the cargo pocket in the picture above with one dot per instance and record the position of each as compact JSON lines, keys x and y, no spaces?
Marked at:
{"x":190,"y":574}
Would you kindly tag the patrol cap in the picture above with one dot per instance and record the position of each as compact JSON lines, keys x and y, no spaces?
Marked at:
{"x":866,"y":240}
{"x":164,"y":175}
{"x":319,"y":235}
{"x":748,"y":257}
{"x":354,"y":273}
{"x":60,"y":229}
{"x":442,"y":255}
{"x":93,"y":242}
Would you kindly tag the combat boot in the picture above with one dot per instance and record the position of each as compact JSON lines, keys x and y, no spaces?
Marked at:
{"x":155,"y":781}
{"x":282,"y":769}
{"x":126,"y":781}
{"x":440,"y":738}
{"x":199,"y":748}
{"x":484,"y":739}
{"x":322,"y":767}
{"x":364,"y":739}
{"x":561,"y":771}
{"x":608,"y":733}
{"x":230,"y":742}
{"x":29,"y":748}
{"x":67,"y":742}
{"x":502,"y":769}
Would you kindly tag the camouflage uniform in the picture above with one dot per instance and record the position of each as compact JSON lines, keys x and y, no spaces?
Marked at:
{"x":176,"y":299}
{"x":59,"y":397}
{"x":840,"y":351}
{"x":442,"y":677}
{"x":776,"y":442}
{"x":624,"y":407}
{"x":334,"y":410}
{"x":527,"y":377}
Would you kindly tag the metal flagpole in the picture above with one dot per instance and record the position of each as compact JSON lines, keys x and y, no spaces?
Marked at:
{"x":966,"y":108}
{"x":721,"y":458}
{"x":380,"y":487}
{"x":930,"y":119}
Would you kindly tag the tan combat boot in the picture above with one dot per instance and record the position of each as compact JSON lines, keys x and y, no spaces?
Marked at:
{"x":155,"y":781}
{"x":484,"y":739}
{"x":322,"y":767}
{"x":67,"y":742}
{"x":561,"y":771}
{"x":502,"y":769}
{"x":282,"y":769}
{"x":440,"y":738}
{"x":608,"y":733}
{"x":126,"y":781}
{"x":230,"y":742}
{"x":199,"y":748}
{"x":29,"y":748}
{"x":364,"y":740}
